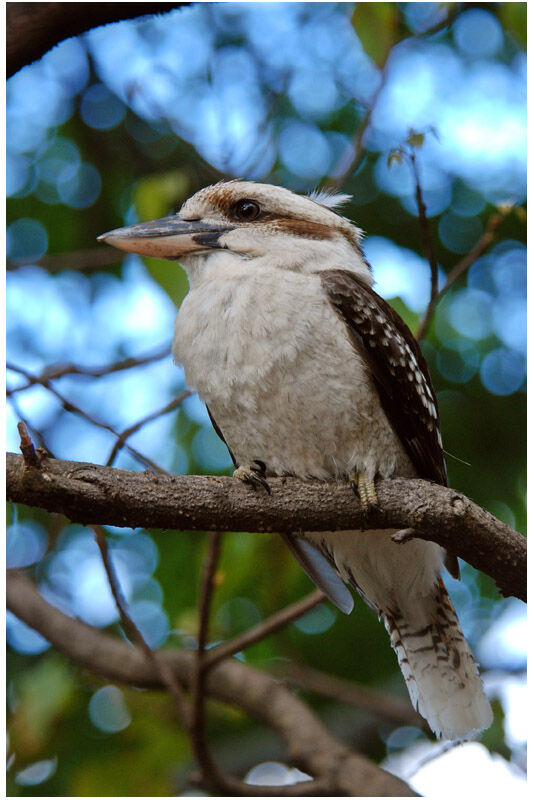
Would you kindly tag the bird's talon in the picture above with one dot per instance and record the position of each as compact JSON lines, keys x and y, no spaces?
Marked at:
{"x":252,"y":474}
{"x":364,"y":488}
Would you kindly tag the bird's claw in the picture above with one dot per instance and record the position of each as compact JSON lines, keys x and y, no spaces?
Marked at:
{"x":255,"y":475}
{"x":364,"y":488}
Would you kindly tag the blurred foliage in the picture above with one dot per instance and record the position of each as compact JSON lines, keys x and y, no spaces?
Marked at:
{"x":123,"y":125}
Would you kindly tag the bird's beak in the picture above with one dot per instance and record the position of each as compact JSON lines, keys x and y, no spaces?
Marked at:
{"x":170,"y":237}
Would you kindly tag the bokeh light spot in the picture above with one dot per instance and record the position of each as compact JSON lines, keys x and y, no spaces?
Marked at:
{"x":26,"y":239}
{"x":478,"y":32}
{"x":108,"y":711}
{"x":503,"y":371}
{"x":318,"y":620}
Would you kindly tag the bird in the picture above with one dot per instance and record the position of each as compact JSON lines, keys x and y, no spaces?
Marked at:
{"x":306,"y":371}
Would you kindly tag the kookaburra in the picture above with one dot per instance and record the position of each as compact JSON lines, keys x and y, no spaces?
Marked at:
{"x":307,"y":372}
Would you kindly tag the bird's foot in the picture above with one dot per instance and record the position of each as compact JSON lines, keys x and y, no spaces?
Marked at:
{"x":364,"y":488}
{"x":253,"y":474}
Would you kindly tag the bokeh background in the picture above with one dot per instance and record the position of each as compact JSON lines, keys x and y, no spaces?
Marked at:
{"x":121,"y":125}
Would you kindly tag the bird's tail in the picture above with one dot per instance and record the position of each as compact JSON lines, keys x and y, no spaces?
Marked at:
{"x":438,"y":667}
{"x":402,"y":584}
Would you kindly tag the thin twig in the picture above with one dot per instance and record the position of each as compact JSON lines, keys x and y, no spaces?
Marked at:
{"x":68,"y":405}
{"x":121,"y":441}
{"x":263,"y":629}
{"x":37,"y":434}
{"x":383,"y":706}
{"x":31,"y":458}
{"x":426,"y":234}
{"x":80,"y":260}
{"x":163,"y":669}
{"x":463,"y":266}
{"x":193,"y":718}
{"x":439,"y":751}
{"x":59,"y":370}
{"x":334,"y":184}
{"x":212,"y":776}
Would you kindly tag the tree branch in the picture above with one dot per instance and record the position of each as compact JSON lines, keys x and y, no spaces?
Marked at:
{"x":88,"y":493}
{"x":132,"y":631}
{"x":34,"y":28}
{"x":380,"y":705}
{"x":462,"y":267}
{"x":68,"y":405}
{"x":338,"y":770}
{"x":55,"y":371}
{"x":263,"y":629}
{"x":426,"y":233}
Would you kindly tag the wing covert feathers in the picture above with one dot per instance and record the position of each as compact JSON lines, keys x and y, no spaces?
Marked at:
{"x":398,"y":368}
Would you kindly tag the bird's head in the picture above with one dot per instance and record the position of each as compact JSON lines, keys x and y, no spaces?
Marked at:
{"x":242,"y":225}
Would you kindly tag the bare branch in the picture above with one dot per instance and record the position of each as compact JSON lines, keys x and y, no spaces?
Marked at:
{"x":55,"y":371}
{"x":88,"y":260}
{"x":264,"y":629}
{"x":31,"y":458}
{"x":122,"y":437}
{"x":211,"y":774}
{"x":131,"y":629}
{"x":334,"y":184}
{"x":88,"y":493}
{"x":463,"y":266}
{"x":34,"y":28}
{"x":37,"y":434}
{"x":383,"y":706}
{"x":339,"y":771}
{"x":68,"y":405}
{"x":426,"y":234}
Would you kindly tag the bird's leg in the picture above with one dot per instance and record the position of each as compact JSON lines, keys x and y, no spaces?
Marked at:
{"x":364,"y":488}
{"x":254,"y":474}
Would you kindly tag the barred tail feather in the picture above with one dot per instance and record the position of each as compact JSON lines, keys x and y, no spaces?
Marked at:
{"x":402,"y":584}
{"x":439,"y":668}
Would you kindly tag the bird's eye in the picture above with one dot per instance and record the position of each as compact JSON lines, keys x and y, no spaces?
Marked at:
{"x":246,"y":210}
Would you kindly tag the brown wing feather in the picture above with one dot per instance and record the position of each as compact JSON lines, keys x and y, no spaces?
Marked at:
{"x":399,"y":371}
{"x":398,"y":367}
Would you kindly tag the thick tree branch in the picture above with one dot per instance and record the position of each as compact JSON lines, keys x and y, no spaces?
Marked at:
{"x":88,"y":493}
{"x":338,"y":770}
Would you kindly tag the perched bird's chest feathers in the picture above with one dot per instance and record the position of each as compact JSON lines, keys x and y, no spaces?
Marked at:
{"x":281,"y":377}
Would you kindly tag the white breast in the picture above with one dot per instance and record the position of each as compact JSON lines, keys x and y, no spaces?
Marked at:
{"x":272,"y":360}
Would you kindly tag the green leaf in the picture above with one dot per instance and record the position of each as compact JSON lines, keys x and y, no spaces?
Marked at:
{"x":43,"y":694}
{"x":157,"y":195}
{"x":395,"y":157}
{"x":416,"y":139}
{"x":376,"y":26}
{"x":513,"y":16}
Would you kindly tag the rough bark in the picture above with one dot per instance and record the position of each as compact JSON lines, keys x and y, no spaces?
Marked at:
{"x":308,"y":743}
{"x":88,"y":493}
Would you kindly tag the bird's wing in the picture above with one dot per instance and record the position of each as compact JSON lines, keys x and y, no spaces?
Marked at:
{"x":319,"y":570}
{"x":397,"y":366}
{"x":399,"y":371}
